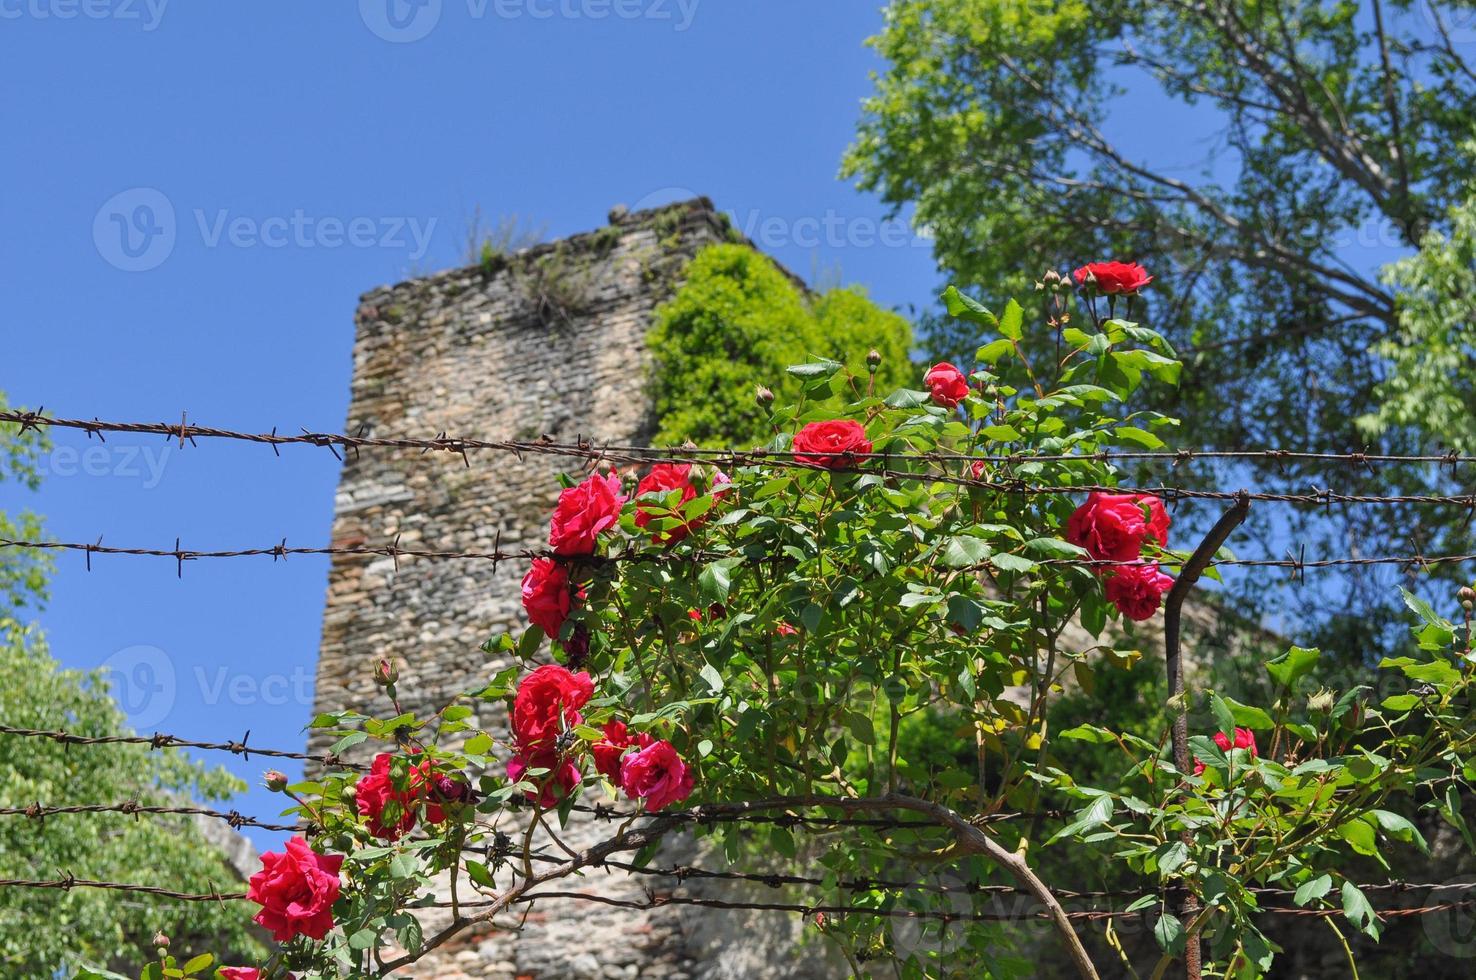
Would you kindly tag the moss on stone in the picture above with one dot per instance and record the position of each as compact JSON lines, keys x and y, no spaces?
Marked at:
{"x":738,"y":321}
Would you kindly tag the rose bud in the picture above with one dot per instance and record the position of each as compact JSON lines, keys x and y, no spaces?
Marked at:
{"x":577,"y":647}
{"x":1321,"y":702}
{"x":274,"y":780}
{"x":763,"y":396}
{"x":385,"y":672}
{"x":161,"y":940}
{"x":873,"y":359}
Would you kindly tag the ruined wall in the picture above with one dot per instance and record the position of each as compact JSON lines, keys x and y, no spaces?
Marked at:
{"x":547,"y":342}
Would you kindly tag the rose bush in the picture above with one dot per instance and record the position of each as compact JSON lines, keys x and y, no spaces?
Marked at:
{"x":873,"y":634}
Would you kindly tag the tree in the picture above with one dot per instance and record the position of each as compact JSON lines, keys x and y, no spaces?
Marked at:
{"x":42,"y":932}
{"x":1430,"y":382}
{"x":1336,"y":119}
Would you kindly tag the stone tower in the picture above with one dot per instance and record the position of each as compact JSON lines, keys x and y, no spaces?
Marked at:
{"x":551,"y":341}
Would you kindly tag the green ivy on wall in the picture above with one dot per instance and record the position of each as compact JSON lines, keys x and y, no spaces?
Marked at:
{"x":739,"y":320}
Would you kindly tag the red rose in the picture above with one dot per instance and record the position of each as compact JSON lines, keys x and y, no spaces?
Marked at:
{"x":1244,"y":739}
{"x":665,"y":478}
{"x":548,"y":702}
{"x":1110,"y":526}
{"x":377,"y":789}
{"x":1137,"y":590}
{"x":1158,"y":519}
{"x":832,"y":444}
{"x":948,"y":384}
{"x":546,"y":596}
{"x":296,"y":891}
{"x":785,"y":629}
{"x":655,"y":774}
{"x":554,"y":786}
{"x":608,"y":750}
{"x":583,"y":512}
{"x":442,"y":791}
{"x":1113,"y":277}
{"x":977,"y":468}
{"x":246,"y":973}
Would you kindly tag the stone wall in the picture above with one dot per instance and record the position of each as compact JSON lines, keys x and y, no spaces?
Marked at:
{"x":546,"y":342}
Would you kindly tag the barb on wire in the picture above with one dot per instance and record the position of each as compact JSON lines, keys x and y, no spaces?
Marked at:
{"x":460,"y":446}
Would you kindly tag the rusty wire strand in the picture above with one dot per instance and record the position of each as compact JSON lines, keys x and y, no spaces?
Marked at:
{"x":653,"y":901}
{"x":236,"y":819}
{"x":184,"y":431}
{"x":642,"y":455}
{"x":180,"y":555}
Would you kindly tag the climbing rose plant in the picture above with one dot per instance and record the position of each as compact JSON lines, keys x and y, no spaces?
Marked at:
{"x":873,"y":633}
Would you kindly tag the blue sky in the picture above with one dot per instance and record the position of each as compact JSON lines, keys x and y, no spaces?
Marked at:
{"x":270,"y":129}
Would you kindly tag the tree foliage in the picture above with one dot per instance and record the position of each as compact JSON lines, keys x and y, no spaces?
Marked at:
{"x":1340,"y":133}
{"x":1431,"y":379}
{"x":738,"y":320}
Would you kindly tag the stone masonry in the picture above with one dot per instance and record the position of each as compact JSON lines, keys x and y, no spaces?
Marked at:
{"x":549,"y":341}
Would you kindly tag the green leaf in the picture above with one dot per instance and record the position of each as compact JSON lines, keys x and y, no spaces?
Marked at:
{"x":1054,"y":548}
{"x":1248,"y":716}
{"x":1359,"y":834}
{"x":1358,"y":910}
{"x":478,"y":744}
{"x":363,"y":939}
{"x":1000,"y":433}
{"x":198,"y":963}
{"x":1293,"y":665}
{"x":1312,"y":889}
{"x":1012,"y":563}
{"x":1169,"y":932}
{"x":991,"y":352}
{"x":1138,"y":437}
{"x":716,"y":579}
{"x":962,"y":550}
{"x":348,"y":741}
{"x":1173,"y":858}
{"x":908,"y":398}
{"x":1012,"y":323}
{"x":1400,"y":829}
{"x":822,"y":368}
{"x":1223,"y":716}
{"x":964,"y":308}
{"x":1088,"y":733}
{"x":480,"y":873}
{"x":712,"y":678}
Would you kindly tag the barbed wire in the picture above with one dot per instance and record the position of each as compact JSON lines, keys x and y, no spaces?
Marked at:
{"x":653,"y":901}
{"x":236,"y":819}
{"x":185,"y":431}
{"x":393,"y":551}
{"x":160,"y":740}
{"x":731,"y":813}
